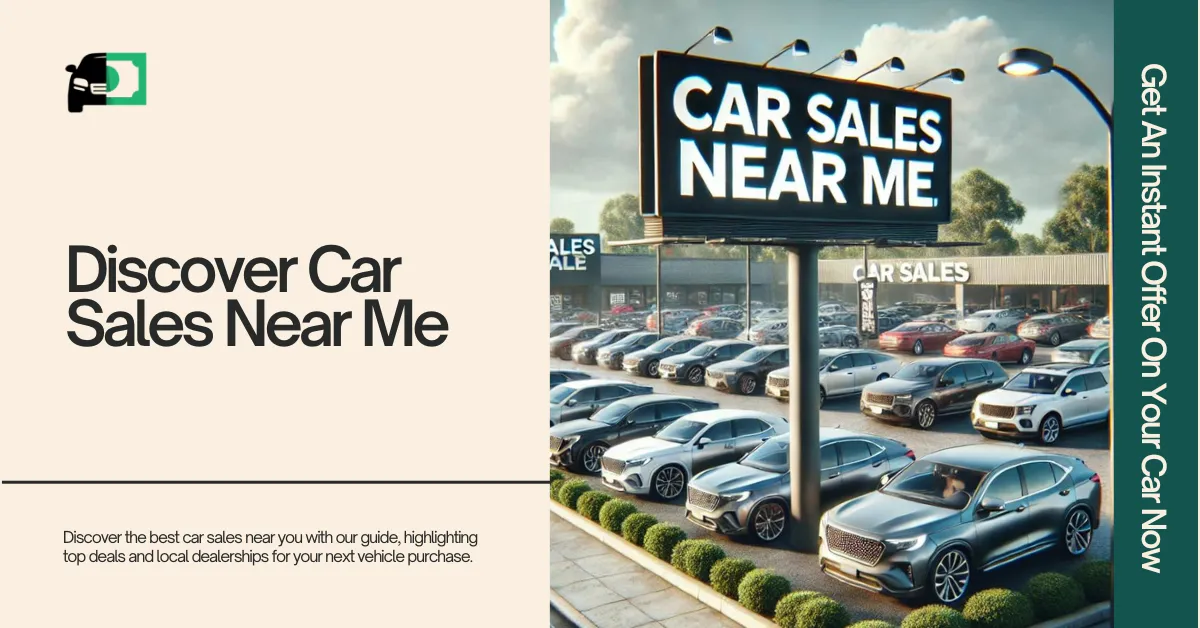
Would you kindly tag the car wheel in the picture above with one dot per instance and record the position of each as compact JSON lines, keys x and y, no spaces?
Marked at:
{"x":768,"y":521}
{"x":950,"y":576}
{"x":1026,"y":356}
{"x":695,"y":375}
{"x":991,"y":327}
{"x":1077,"y":533}
{"x":1055,"y":339}
{"x":822,"y":398}
{"x":918,"y":348}
{"x":994,"y":358}
{"x":564,"y":353}
{"x":1050,"y":429}
{"x":850,"y":341}
{"x":882,"y":377}
{"x":618,"y":359}
{"x":668,"y":483}
{"x":652,"y":368}
{"x":747,"y":384}
{"x":926,"y":414}
{"x":590,"y":460}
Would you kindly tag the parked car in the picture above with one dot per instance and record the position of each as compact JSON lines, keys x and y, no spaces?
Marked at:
{"x":579,"y":445}
{"x":580,"y":399}
{"x":831,"y":308}
{"x":956,"y":513}
{"x":767,"y":313}
{"x":993,"y":320}
{"x":673,"y":320}
{"x":888,"y":323}
{"x":922,"y":392}
{"x":585,"y":352}
{"x":1087,"y":350}
{"x":752,"y":496}
{"x":770,"y":332}
{"x":1043,"y":401}
{"x":838,"y":336}
{"x":918,"y":337}
{"x":849,"y":319}
{"x":689,"y":367}
{"x":1086,"y":311}
{"x":1053,"y":329}
{"x":561,"y":345}
{"x":715,"y":327}
{"x":645,"y":362}
{"x":728,"y":310}
{"x":946,"y":317}
{"x":746,"y":373}
{"x":613,"y":356}
{"x":1100,"y":328}
{"x":843,"y":372}
{"x":558,"y":329}
{"x":559,"y":376}
{"x":662,"y":465}
{"x":998,"y":346}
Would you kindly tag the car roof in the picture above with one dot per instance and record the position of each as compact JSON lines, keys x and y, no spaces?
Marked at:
{"x":712,"y":416}
{"x":591,"y":383}
{"x":1063,"y":367}
{"x":571,"y":371}
{"x":834,"y":352}
{"x":1085,"y":343}
{"x":653,"y":397}
{"x":728,"y":341}
{"x":985,"y":311}
{"x":944,"y":361}
{"x":984,"y":334}
{"x":833,"y":434}
{"x":984,"y":457}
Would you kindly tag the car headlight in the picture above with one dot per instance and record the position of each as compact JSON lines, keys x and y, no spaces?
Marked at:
{"x":80,"y":82}
{"x":569,"y":442}
{"x":902,"y":545}
{"x":637,"y":463}
{"x":902,"y":399}
{"x":736,"y":498}
{"x":1025,"y":409}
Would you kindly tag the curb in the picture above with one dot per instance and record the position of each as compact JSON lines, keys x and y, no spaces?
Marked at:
{"x":1085,"y":617}
{"x":564,"y":607}
{"x":683,"y":582}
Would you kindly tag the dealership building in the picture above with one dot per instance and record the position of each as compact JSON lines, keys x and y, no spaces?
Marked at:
{"x":1040,"y":281}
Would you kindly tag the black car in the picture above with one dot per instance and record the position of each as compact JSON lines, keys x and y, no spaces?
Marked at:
{"x":560,"y":346}
{"x":747,"y":372}
{"x":581,"y":398}
{"x":579,"y":445}
{"x":558,"y":329}
{"x":585,"y":352}
{"x":613,"y":356}
{"x":689,"y":367}
{"x":559,"y":376}
{"x":89,"y":81}
{"x":645,"y":362}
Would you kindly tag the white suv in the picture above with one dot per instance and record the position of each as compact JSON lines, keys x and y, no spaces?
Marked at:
{"x":1042,"y":401}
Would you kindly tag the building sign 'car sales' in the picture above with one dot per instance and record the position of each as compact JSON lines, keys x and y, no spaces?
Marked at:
{"x":788,"y":154}
{"x":574,"y":259}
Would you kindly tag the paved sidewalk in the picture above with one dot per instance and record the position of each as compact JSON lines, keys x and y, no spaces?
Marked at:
{"x":614,"y":592}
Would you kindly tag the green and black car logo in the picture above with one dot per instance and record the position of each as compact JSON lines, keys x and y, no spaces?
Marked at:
{"x":107,"y":78}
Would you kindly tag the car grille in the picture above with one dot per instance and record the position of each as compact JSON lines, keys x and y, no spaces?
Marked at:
{"x":555,"y":443}
{"x":883,"y":400}
{"x":630,"y":362}
{"x":666,"y":369}
{"x":612,"y":466}
{"x":1003,"y":412}
{"x":860,"y":548}
{"x":702,"y":499}
{"x":778,"y":382}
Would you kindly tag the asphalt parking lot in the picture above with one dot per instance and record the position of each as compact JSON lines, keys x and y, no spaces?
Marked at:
{"x":1089,"y":444}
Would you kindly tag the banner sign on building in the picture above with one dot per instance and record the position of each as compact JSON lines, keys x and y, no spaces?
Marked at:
{"x":868,"y":315}
{"x":917,"y":272}
{"x":574,"y":259}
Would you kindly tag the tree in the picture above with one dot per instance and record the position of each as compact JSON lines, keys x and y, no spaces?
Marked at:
{"x":562,"y":225}
{"x":982,"y":209}
{"x":621,"y":219}
{"x":1081,"y":223}
{"x":1029,"y":244}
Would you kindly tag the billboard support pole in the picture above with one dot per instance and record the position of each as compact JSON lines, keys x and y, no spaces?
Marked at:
{"x":658,"y":305}
{"x":748,"y":284}
{"x":804,"y":402}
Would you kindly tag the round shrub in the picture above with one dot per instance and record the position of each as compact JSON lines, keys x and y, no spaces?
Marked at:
{"x":590,"y":503}
{"x":699,"y":560}
{"x":1054,"y":595}
{"x":789,"y":605}
{"x":761,"y":590}
{"x":727,"y":574}
{"x":634,"y":527}
{"x":570,"y":493}
{"x":822,"y":612}
{"x":662,"y":538}
{"x":555,"y":474}
{"x":935,"y":616}
{"x":999,"y":608}
{"x":613,"y":514}
{"x":1096,"y":578}
{"x":871,"y":623}
{"x":555,"y":485}
{"x":679,"y":554}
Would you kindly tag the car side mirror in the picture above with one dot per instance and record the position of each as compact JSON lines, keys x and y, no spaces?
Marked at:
{"x":704,"y":441}
{"x":1069,"y":392}
{"x":944,"y":383}
{"x":572,"y":402}
{"x":71,"y":68}
{"x":834,"y":367}
{"x":884,"y":479}
{"x":991,"y":504}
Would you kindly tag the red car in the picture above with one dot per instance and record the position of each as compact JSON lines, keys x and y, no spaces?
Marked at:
{"x":998,"y":346}
{"x":918,"y":337}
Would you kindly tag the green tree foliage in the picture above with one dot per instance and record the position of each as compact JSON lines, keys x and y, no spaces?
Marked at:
{"x":1081,"y":223}
{"x":621,"y":219}
{"x":982,"y":209}
{"x":1029,"y":244}
{"x":562,"y":225}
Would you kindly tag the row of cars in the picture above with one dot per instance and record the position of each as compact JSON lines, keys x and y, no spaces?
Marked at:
{"x":931,"y":522}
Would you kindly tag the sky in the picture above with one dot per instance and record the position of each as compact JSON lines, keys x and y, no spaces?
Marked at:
{"x":1029,"y":133}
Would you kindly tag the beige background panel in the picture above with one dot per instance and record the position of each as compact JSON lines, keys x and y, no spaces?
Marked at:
{"x":392,"y":129}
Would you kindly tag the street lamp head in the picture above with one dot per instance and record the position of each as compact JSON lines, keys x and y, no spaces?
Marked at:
{"x":1025,"y":62}
{"x":956,"y":75}
{"x":895,"y":64}
{"x":849,"y":57}
{"x":799,"y":48}
{"x":720,"y":35}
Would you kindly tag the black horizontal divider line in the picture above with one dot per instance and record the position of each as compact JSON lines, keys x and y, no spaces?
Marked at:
{"x":513,"y":482}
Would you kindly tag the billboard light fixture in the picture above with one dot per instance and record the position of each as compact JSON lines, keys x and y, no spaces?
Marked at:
{"x":720,"y":36}
{"x":798,"y":48}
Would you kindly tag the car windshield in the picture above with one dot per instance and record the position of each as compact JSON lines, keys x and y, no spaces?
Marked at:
{"x":628,"y":341}
{"x":681,"y":431}
{"x":981,"y":315}
{"x":771,"y":456}
{"x":917,"y":372}
{"x":559,"y":394}
{"x":606,"y":336}
{"x":755,"y":354}
{"x":702,"y":350}
{"x":1035,"y":383}
{"x":825,"y":359}
{"x":613,"y":412}
{"x":968,"y":342}
{"x":909,"y":327}
{"x":936,"y":484}
{"x":661,"y":345}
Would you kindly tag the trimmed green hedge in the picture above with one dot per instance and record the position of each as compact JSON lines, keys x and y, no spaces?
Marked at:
{"x":570,"y":493}
{"x":555,"y":474}
{"x":635,"y":526}
{"x":613,"y":514}
{"x":761,"y":590}
{"x":935,"y":616}
{"x":678,"y":555}
{"x":700,"y":558}
{"x":727,"y":574}
{"x":661,"y":539}
{"x":1054,"y":595}
{"x":999,"y":608}
{"x":789,"y":605}
{"x":555,"y":486}
{"x":1096,"y":578}
{"x":871,"y":623}
{"x":822,"y":612}
{"x":591,"y":502}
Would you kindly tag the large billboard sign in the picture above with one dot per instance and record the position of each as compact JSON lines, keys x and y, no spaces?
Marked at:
{"x":574,"y":259}
{"x":741,"y":150}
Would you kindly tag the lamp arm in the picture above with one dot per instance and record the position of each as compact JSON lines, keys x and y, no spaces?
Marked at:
{"x":698,"y":42}
{"x":1087,"y":93}
{"x":871,"y":70}
{"x":777,"y":55}
{"x":829,"y":63}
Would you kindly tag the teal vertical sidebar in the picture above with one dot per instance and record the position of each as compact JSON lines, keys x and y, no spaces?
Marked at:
{"x":1154,"y":413}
